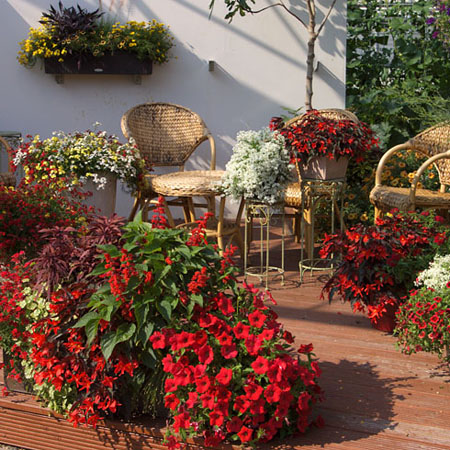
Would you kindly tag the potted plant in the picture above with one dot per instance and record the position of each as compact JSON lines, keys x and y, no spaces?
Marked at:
{"x":92,"y":159}
{"x":423,"y":320}
{"x":377,"y":265}
{"x":259,"y":167}
{"x":74,"y":40}
{"x":321,"y":144}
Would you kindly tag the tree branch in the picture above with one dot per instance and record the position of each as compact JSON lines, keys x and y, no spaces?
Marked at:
{"x":284,"y":7}
{"x":326,"y":17}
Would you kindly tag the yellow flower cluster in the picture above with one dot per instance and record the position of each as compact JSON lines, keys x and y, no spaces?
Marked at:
{"x":148,"y":40}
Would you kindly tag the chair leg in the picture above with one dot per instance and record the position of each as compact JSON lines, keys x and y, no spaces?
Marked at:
{"x":168,"y":213}
{"x":137,"y":203}
{"x":378,"y":213}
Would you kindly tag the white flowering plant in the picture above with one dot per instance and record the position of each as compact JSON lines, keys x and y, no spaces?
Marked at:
{"x":437,"y":275}
{"x":73,"y":158}
{"x":259,"y":167}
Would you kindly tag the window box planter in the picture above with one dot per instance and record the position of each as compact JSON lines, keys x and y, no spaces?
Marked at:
{"x":118,"y":63}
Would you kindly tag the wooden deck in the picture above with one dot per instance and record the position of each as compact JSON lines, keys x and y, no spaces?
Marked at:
{"x":376,"y":397}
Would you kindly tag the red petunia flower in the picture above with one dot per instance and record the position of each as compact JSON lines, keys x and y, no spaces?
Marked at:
{"x":305,"y":348}
{"x":234,"y":425}
{"x":224,"y":376}
{"x":257,"y":319}
{"x":229,"y":351}
{"x":241,"y":331}
{"x":205,"y":354}
{"x":203,"y":384}
{"x":245,"y":434}
{"x":260,"y":365}
{"x":171,"y":401}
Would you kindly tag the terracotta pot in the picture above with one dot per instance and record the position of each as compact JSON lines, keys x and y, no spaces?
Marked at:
{"x":387,"y":321}
{"x":323,"y":168}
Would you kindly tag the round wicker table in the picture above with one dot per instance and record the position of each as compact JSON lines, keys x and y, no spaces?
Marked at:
{"x":201,"y":183}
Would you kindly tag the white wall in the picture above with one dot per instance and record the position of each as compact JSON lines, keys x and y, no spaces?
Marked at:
{"x":260,"y":67}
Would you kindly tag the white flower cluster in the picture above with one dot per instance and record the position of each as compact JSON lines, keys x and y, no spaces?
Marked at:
{"x":437,"y":275}
{"x":259,"y":167}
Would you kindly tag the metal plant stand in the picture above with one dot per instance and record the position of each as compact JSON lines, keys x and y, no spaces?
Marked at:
{"x":314,"y":192}
{"x":264,"y":214}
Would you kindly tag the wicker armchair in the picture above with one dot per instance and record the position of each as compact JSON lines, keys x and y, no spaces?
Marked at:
{"x":293,"y":192}
{"x":433,"y":143}
{"x":166,"y":135}
{"x":7,"y":178}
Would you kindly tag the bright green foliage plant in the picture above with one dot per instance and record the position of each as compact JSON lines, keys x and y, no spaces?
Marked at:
{"x":77,"y":32}
{"x":397,"y":73}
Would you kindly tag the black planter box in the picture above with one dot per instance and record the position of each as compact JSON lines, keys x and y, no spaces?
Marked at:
{"x":119,"y":63}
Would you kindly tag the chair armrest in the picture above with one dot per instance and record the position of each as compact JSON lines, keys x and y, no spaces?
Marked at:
{"x":212,"y":144}
{"x":385,"y":159}
{"x":421,"y":170}
{"x":7,"y":148}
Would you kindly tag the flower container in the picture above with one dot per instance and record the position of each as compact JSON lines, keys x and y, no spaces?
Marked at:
{"x":324,"y":168}
{"x":386,"y":321}
{"x":118,"y":63}
{"x":102,"y":199}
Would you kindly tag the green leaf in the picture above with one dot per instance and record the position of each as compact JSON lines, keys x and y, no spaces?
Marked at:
{"x":145,"y":332}
{"x":112,"y":250}
{"x":98,"y":270}
{"x":83,"y":321}
{"x":197,"y":299}
{"x":91,"y":330}
{"x":148,"y":358}
{"x":111,"y":339}
{"x":163,"y":273}
{"x":165,"y":309}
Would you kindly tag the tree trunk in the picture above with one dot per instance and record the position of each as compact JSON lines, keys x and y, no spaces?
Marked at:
{"x":310,"y":71}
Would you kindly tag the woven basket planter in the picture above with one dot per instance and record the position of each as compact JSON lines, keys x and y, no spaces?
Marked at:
{"x":119,"y":63}
{"x":323,"y":168}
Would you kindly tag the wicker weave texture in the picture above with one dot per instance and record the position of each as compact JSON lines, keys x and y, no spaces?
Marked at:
{"x":433,"y":141}
{"x":387,"y":197}
{"x":293,"y":195}
{"x":330,"y":113}
{"x":188,"y":184}
{"x":6,"y":178}
{"x":165,"y":134}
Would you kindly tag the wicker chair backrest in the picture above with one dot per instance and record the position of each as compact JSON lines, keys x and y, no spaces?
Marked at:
{"x":331,"y":113}
{"x":165,"y":134}
{"x":433,"y":141}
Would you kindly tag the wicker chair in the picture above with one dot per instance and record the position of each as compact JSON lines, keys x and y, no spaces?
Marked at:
{"x":293,"y":192}
{"x":166,"y":135}
{"x":433,"y":143}
{"x":7,"y":178}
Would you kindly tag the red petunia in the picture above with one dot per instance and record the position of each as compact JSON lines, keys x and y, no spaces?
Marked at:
{"x":216,"y":419}
{"x":241,"y":404}
{"x":225,"y":339}
{"x":253,"y":391}
{"x":257,"y":319}
{"x":305,"y":348}
{"x":253,"y":344}
{"x":182,"y":420}
{"x":203,"y":384}
{"x":260,"y":365}
{"x":245,"y":434}
{"x":171,"y":401}
{"x":225,"y":305}
{"x":205,"y":354}
{"x":234,"y":425}
{"x":303,"y":402}
{"x":229,"y":351}
{"x":192,"y":400}
{"x":224,"y":376}
{"x":272,"y":393}
{"x":158,"y":340}
{"x":241,"y":331}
